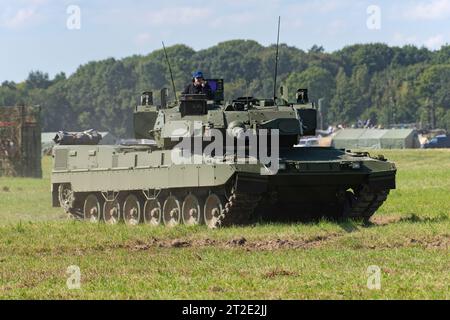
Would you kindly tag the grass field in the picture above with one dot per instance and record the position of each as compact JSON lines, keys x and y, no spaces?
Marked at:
{"x":409,"y":241}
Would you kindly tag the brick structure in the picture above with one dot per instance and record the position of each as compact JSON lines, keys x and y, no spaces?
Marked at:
{"x":20,"y":142}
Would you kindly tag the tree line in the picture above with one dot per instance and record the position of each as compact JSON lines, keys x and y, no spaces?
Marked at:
{"x":388,"y":85}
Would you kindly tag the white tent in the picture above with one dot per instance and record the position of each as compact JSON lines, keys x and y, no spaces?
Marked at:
{"x":376,"y":139}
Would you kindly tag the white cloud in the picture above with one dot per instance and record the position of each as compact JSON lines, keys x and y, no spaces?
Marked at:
{"x":429,"y":10}
{"x":294,"y":24}
{"x":318,"y":6}
{"x":178,"y":16}
{"x":18,"y":19}
{"x":326,"y":6}
{"x":143,"y":39}
{"x":435,"y":42}
{"x":233,"y":20}
{"x":22,"y":13}
{"x":337,"y":26}
{"x":401,"y":39}
{"x":36,"y":2}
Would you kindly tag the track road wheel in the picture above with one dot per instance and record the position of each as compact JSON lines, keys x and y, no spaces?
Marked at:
{"x":171,"y":211}
{"x":191,"y":211}
{"x":111,"y":212}
{"x":91,"y":208}
{"x":152,"y":212}
{"x":213,"y":211}
{"x":131,"y":210}
{"x":66,"y":197}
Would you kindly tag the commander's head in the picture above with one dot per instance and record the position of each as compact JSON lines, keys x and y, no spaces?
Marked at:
{"x":197,"y":78}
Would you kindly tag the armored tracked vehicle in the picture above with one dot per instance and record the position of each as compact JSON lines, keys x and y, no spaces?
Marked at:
{"x":151,"y":179}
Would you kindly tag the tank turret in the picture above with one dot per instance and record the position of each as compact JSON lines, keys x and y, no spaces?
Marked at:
{"x":161,"y":123}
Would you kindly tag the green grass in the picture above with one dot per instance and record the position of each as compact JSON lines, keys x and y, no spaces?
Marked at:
{"x":409,"y":241}
{"x":423,"y":183}
{"x":28,"y":199}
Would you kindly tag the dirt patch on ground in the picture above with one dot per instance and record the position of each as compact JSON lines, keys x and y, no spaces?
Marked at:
{"x":279,"y":273}
{"x":239,"y":242}
{"x":384,"y":220}
{"x":440,"y":242}
{"x":428,"y":242}
{"x":412,"y":218}
{"x":436,"y":242}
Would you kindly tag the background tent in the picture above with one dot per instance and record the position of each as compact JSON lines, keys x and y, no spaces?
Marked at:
{"x":400,"y":139}
{"x":347,"y":138}
{"x":371,"y":138}
{"x":376,"y":139}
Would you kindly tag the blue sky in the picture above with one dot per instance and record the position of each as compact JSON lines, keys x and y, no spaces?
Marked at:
{"x":34,"y":33}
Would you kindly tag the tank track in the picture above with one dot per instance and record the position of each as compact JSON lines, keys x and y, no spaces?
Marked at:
{"x":365,"y":204}
{"x":75,"y":213}
{"x":239,"y":209}
{"x":239,"y":206}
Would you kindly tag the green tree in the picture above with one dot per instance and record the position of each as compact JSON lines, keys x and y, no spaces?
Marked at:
{"x":37,"y":80}
{"x":319,"y":81}
{"x":385,"y":84}
{"x":434,"y":88}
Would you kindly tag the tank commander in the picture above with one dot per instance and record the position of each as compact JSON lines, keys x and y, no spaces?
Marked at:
{"x":199,"y":86}
{"x":302,"y":96}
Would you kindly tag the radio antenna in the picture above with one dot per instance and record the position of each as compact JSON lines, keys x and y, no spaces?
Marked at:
{"x":276,"y":63}
{"x":171,"y":74}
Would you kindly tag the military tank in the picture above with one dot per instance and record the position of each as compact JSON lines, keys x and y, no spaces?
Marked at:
{"x":142,"y":180}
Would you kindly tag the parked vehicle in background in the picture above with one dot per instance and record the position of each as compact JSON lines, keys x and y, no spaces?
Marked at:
{"x":308,"y":142}
{"x":441,"y":141}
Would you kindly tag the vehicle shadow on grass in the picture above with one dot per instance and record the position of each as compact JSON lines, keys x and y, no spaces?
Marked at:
{"x":347,"y":225}
{"x":379,"y":221}
{"x":352,"y":225}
